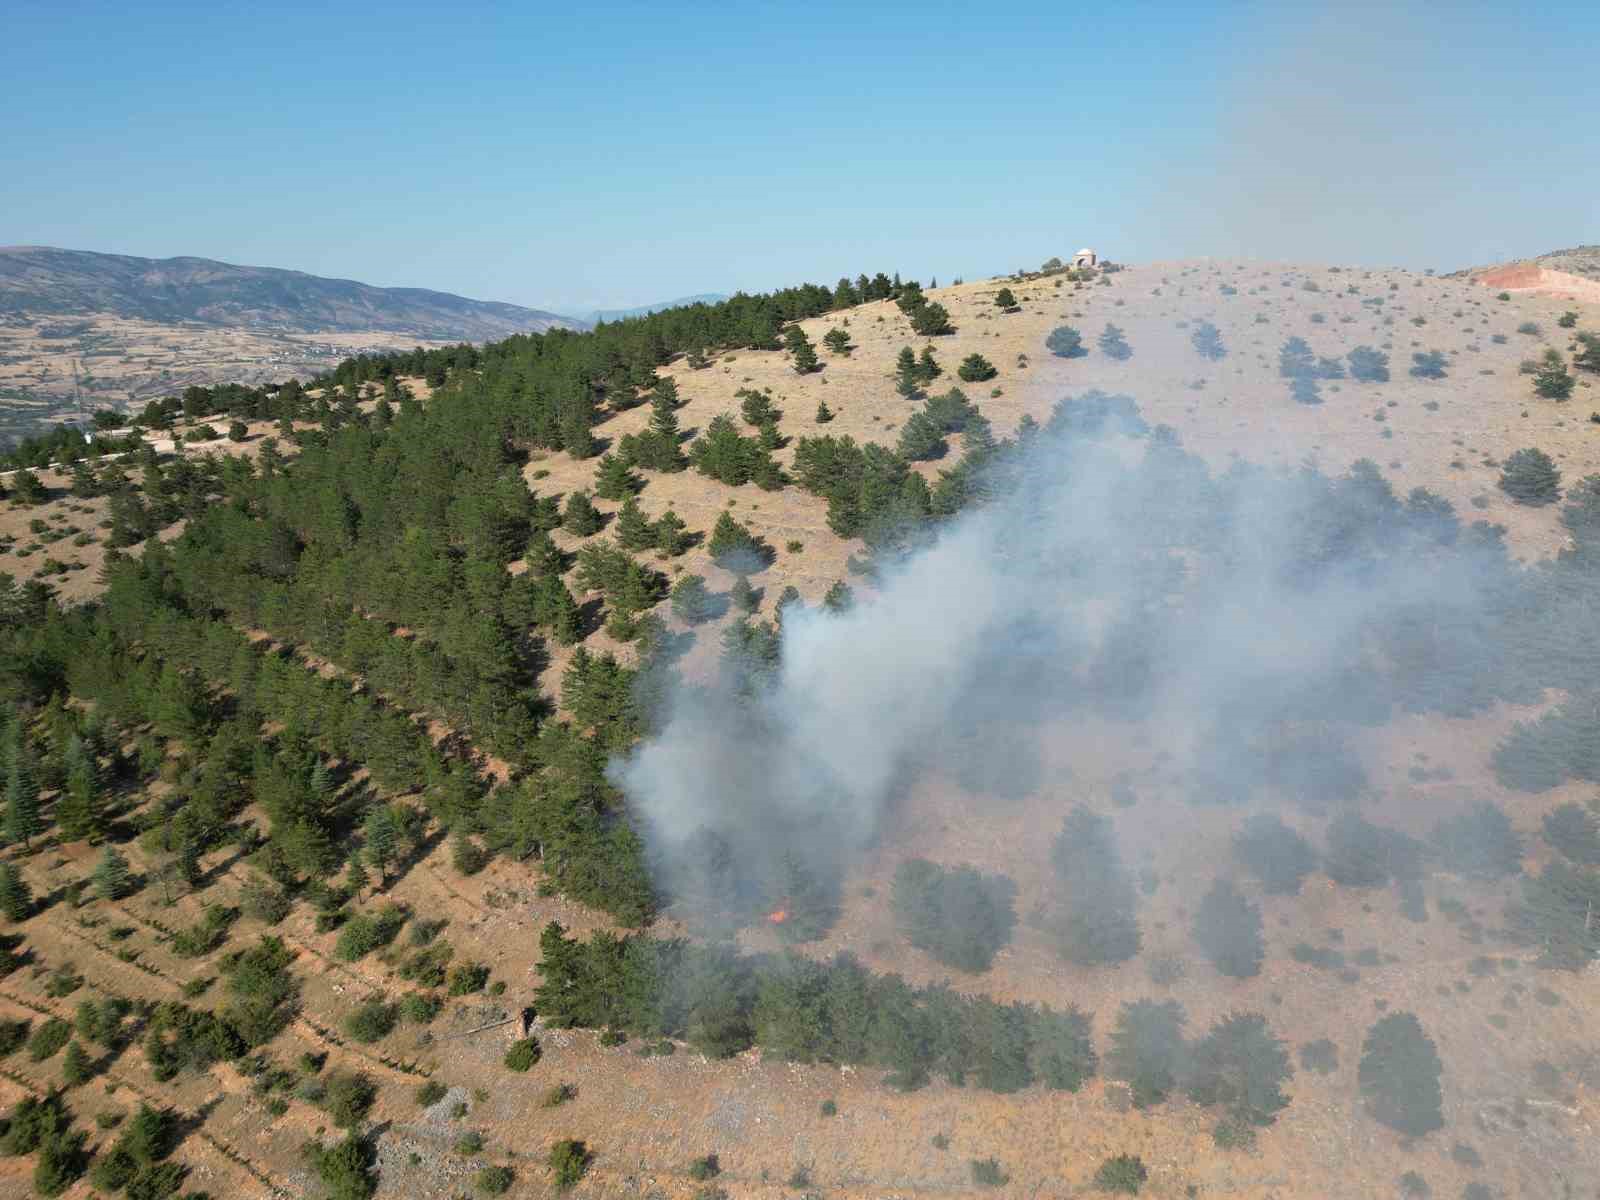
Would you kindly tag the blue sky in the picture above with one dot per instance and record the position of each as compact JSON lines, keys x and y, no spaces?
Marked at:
{"x":617,"y":153}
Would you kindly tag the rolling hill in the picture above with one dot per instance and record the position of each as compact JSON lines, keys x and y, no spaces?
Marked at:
{"x":1200,"y":347}
{"x":45,"y":281}
{"x":85,"y":330}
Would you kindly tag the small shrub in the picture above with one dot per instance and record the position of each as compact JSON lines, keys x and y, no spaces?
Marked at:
{"x":523,"y":1054}
{"x":568,"y":1159}
{"x":987,"y":1173}
{"x":347,"y":1097}
{"x":431,"y":1093}
{"x":1466,"y":1155}
{"x":702,"y":1169}
{"x":493,"y":1181}
{"x":1123,"y":1175}
{"x":373,"y":1020}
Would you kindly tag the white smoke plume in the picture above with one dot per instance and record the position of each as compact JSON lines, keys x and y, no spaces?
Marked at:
{"x":1246,"y":620}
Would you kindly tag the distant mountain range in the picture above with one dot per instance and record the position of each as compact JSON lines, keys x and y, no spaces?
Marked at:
{"x":622,"y":314}
{"x":41,"y":281}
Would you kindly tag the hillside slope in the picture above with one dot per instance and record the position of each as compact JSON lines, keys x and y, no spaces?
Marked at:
{"x":45,"y":281}
{"x":80,"y":329}
{"x":1521,"y":1076}
{"x":1572,"y":274}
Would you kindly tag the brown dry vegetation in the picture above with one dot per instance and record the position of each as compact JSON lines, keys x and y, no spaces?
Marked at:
{"x":648,"y":1117}
{"x":124,"y":361}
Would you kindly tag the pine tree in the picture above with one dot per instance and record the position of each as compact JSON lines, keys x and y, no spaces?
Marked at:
{"x":1113,"y":345}
{"x":1228,"y":929}
{"x":1588,"y":356}
{"x":670,"y":535}
{"x":321,"y":785}
{"x":1207,"y":342}
{"x":907,"y":379}
{"x":80,"y":812}
{"x":1552,"y":380}
{"x":16,"y":899}
{"x":975,"y":368}
{"x":466,"y":856}
{"x":837,"y":340}
{"x":581,"y":518}
{"x":1146,"y":1049}
{"x":1530,"y":477}
{"x":824,"y":413}
{"x":1399,"y":1076}
{"x":1368,"y":365}
{"x":804,"y":354}
{"x":1295,"y":359}
{"x":930,"y":320}
{"x":612,"y":479}
{"x":382,"y":837}
{"x":1065,"y":342}
{"x":356,"y":877}
{"x":634,"y":532}
{"x":690,"y":600}
{"x":928,"y":368}
{"x":742,"y":595}
{"x":1004,"y":300}
{"x":76,"y":1068}
{"x":22,"y":822}
{"x":112,"y":877}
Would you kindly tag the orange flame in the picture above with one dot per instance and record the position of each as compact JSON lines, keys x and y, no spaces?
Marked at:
{"x":778,"y":916}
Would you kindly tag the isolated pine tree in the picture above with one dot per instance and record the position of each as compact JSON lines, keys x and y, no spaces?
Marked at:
{"x":1207,"y":342}
{"x":804,"y":354}
{"x":113,"y":879}
{"x":76,"y":1067}
{"x":837,"y":340}
{"x":824,"y":413}
{"x":1552,"y":381}
{"x":1531,"y":477}
{"x":907,"y":379}
{"x":16,"y":900}
{"x":1113,"y":345}
{"x":1399,"y":1076}
{"x":1065,"y":342}
{"x":1004,"y":300}
{"x":975,"y":368}
{"x":1227,"y":928}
